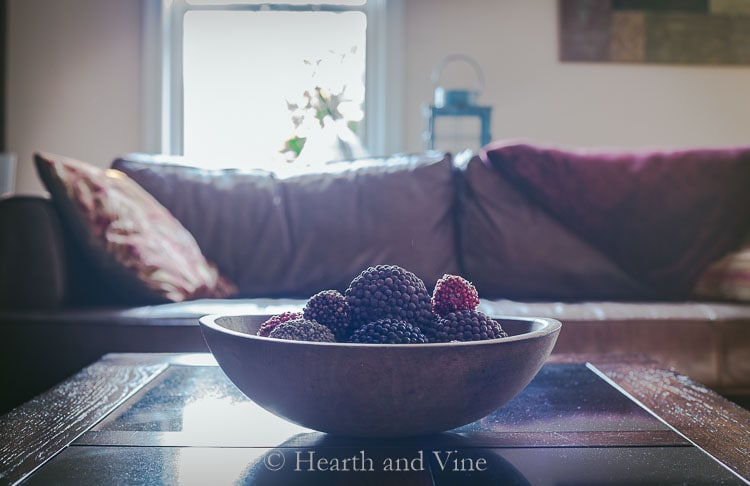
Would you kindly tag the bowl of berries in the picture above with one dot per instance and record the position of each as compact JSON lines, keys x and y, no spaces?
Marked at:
{"x":385,"y":358}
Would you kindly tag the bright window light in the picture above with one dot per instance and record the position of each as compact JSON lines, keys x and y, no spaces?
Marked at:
{"x":286,"y":2}
{"x":246,"y":74}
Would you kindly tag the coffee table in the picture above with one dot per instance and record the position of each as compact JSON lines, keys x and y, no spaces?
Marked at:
{"x":176,"y":419}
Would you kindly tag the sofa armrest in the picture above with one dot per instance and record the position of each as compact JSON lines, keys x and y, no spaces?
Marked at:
{"x":33,"y":269}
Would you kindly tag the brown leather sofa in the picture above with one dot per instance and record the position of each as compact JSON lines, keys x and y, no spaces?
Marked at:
{"x":281,"y":239}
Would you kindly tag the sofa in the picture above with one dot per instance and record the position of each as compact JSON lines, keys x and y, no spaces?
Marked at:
{"x":635,"y":251}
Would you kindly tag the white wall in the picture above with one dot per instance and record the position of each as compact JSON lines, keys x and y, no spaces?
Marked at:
{"x":535,"y":96}
{"x":74,"y":81}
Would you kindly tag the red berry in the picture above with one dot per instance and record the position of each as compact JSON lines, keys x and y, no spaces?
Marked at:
{"x":272,"y":322}
{"x":453,"y":293}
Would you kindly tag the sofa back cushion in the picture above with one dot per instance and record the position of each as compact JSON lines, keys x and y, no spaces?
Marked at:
{"x":511,"y":248}
{"x":297,"y":235}
{"x":660,"y":215}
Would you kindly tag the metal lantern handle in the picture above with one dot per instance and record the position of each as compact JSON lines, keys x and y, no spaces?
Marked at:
{"x":438,"y":71}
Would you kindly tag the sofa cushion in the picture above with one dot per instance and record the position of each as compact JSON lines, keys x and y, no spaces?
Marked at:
{"x":296,"y":235}
{"x":710,"y":342}
{"x":510,"y":248}
{"x":142,"y":251}
{"x":660,"y":215}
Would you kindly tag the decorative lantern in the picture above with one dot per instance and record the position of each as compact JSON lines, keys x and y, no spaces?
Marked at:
{"x":457,"y":102}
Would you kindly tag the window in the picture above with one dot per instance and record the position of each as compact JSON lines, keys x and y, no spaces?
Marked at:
{"x":250,"y":84}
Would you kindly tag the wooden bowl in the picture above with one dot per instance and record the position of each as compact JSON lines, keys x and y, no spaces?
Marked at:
{"x":379,"y":390}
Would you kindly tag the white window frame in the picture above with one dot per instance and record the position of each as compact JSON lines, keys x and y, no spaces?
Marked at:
{"x":163,"y":84}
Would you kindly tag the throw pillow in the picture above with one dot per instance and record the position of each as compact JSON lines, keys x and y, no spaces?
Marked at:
{"x":728,"y":278}
{"x":142,"y":250}
{"x":661,"y":215}
{"x":295,"y":235}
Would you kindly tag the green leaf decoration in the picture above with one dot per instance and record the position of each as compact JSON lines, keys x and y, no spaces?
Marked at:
{"x":295,"y":145}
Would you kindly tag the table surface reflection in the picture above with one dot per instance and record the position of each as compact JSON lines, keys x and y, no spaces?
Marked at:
{"x":188,"y":424}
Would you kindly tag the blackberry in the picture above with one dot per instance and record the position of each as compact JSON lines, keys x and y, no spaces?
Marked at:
{"x":453,"y":293}
{"x":303,"y":330}
{"x":330,"y":309}
{"x":388,"y":291}
{"x":466,"y":325}
{"x":267,"y":327}
{"x":388,"y":331}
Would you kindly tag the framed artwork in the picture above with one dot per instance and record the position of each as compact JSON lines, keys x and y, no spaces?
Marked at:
{"x":655,"y":31}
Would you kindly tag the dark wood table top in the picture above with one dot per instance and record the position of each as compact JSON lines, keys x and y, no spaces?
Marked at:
{"x":176,"y":419}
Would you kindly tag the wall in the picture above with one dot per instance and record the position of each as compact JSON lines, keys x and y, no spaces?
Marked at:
{"x":537,"y":97}
{"x":74,"y":81}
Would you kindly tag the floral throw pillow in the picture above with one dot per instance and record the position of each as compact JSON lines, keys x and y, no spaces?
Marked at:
{"x":142,"y":250}
{"x":727,"y":278}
